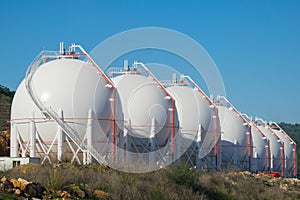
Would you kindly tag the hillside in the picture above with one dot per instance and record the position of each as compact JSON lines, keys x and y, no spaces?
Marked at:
{"x":66,"y":181}
{"x":6,"y":97}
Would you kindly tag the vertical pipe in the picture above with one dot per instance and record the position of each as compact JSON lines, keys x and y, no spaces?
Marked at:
{"x":123,"y":144}
{"x":173,"y":129}
{"x":152,"y":143}
{"x":272,"y":162}
{"x":61,"y":48}
{"x":84,"y":157}
{"x":198,"y":158}
{"x":235,"y":154}
{"x":127,"y":133}
{"x":89,"y":136}
{"x":113,"y":124}
{"x":295,"y":160}
{"x":269,"y":156}
{"x":282,"y":159}
{"x":255,"y":162}
{"x":249,"y":145}
{"x":178,"y":146}
{"x":13,"y":140}
{"x":60,"y":138}
{"x":217,"y":139}
{"x":32,"y":138}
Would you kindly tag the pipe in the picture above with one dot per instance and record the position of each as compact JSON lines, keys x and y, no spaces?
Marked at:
{"x":32,"y":137}
{"x":292,"y":142}
{"x":89,"y":135}
{"x":281,"y":142}
{"x":249,"y":144}
{"x":173,"y":106}
{"x":60,"y":139}
{"x":263,"y":135}
{"x":14,"y":145}
{"x":217,"y":131}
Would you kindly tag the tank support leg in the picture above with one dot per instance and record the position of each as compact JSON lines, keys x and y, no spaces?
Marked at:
{"x":272,"y":163}
{"x":127,"y":148}
{"x":14,"y":145}
{"x":198,"y":140}
{"x":178,"y":146}
{"x":152,"y":144}
{"x":235,"y":155}
{"x":32,"y":138}
{"x":60,"y":139}
{"x":89,"y":136}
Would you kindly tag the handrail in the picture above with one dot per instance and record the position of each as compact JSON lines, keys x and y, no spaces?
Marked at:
{"x":217,"y":123}
{"x":172,"y":100}
{"x":279,"y":140}
{"x":291,"y":142}
{"x":193,"y":83}
{"x":264,"y":136}
{"x":283,"y":132}
{"x":48,"y":112}
{"x":249,"y":133}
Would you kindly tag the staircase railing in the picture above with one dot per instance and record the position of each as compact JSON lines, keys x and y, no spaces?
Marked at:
{"x":50,"y":113}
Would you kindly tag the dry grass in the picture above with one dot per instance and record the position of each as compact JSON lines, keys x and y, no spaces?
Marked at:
{"x":177,"y":182}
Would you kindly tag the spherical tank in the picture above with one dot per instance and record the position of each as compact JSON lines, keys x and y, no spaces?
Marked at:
{"x":70,"y":85}
{"x":193,"y":110}
{"x":260,"y":149}
{"x":233,"y":134}
{"x":274,"y":147}
{"x":288,"y":153}
{"x":143,"y":103}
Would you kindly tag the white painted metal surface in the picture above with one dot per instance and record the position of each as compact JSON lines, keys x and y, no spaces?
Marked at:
{"x":69,"y":85}
{"x":142,"y":101}
{"x":288,"y":153}
{"x":193,"y":110}
{"x":275,"y":149}
{"x":260,"y":150}
{"x":233,"y":136}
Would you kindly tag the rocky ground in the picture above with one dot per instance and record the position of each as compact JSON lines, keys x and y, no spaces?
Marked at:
{"x":23,"y":189}
{"x":66,"y":181}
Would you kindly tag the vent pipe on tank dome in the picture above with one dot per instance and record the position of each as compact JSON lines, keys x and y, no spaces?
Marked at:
{"x":61,"y":48}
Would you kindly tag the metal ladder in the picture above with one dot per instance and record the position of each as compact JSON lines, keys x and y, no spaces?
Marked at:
{"x":50,"y":113}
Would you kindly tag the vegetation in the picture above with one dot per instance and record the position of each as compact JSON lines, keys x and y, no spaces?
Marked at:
{"x":177,"y":182}
{"x":6,"y":91}
{"x":6,"y":97}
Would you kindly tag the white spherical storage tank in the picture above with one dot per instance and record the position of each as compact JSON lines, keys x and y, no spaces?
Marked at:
{"x":260,"y":150}
{"x":194,"y":116}
{"x":69,"y":87}
{"x":288,"y":153}
{"x":193,"y":110}
{"x":234,"y":139}
{"x":275,"y":148}
{"x":145,"y":107}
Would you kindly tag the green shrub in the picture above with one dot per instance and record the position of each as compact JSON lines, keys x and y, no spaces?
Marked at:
{"x":183,"y":175}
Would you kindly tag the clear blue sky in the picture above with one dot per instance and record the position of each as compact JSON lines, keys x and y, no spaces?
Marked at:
{"x":255,"y":44}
